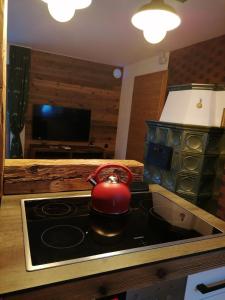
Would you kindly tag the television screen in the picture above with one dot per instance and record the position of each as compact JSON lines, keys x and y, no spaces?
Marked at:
{"x":60,"y":123}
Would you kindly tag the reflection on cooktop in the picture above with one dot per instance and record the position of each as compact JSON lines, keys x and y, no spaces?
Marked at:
{"x":65,"y":230}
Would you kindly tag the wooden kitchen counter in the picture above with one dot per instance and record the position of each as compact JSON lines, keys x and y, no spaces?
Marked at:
{"x":85,"y":280}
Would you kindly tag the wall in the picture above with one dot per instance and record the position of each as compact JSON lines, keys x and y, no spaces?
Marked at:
{"x":66,"y":81}
{"x":200,"y":63}
{"x":147,"y":66}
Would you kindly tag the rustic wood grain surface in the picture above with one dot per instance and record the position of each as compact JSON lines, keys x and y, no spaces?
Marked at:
{"x":25,"y":176}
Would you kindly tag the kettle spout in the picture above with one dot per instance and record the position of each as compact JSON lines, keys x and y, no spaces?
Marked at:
{"x":92,"y":180}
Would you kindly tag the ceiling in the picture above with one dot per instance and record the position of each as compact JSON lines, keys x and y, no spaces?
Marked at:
{"x":103,"y":31}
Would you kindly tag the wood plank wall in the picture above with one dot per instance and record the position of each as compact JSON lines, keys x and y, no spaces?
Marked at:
{"x":3,"y":41}
{"x":199,"y":63}
{"x":70,"y":82}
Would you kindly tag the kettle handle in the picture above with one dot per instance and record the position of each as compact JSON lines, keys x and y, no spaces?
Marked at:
{"x":109,"y":165}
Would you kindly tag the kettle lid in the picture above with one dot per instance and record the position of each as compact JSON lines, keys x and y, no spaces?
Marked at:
{"x":113,"y":179}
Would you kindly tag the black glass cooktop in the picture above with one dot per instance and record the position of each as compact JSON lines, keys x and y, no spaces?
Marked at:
{"x":66,"y":230}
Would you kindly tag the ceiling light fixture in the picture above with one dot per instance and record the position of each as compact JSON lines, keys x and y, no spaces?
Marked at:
{"x":155,"y":19}
{"x":64,"y":10}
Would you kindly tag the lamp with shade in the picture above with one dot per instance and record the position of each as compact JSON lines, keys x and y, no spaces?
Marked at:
{"x":155,"y":19}
{"x":64,"y":10}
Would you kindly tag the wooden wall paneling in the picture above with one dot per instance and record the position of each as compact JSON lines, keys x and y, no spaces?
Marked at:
{"x":65,"y":81}
{"x":74,"y":70}
{"x":3,"y":47}
{"x":147,"y":104}
{"x":29,"y":176}
{"x":199,"y":63}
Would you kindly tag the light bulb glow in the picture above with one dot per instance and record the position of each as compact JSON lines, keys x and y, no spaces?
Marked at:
{"x":61,"y":10}
{"x":154,"y":36}
{"x":156,"y":18}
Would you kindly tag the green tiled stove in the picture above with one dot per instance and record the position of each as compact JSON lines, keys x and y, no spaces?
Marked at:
{"x":186,"y":159}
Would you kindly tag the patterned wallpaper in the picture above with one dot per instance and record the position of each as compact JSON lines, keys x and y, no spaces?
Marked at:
{"x":200,"y":63}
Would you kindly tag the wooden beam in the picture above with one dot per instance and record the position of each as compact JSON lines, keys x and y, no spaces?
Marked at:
{"x":3,"y":48}
{"x":29,"y":176}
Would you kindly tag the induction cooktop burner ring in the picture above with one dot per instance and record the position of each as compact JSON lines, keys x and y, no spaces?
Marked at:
{"x":71,"y":236}
{"x":55,"y":209}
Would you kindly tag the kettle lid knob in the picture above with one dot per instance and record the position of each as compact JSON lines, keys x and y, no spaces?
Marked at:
{"x":112,"y":179}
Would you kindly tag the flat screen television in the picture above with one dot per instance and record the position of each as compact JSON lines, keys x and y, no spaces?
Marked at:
{"x":60,"y":123}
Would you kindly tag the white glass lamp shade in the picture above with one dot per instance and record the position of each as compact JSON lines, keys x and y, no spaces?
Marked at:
{"x":61,"y":10}
{"x":64,"y":9}
{"x":80,"y":4}
{"x":156,"y":18}
{"x":154,"y":36}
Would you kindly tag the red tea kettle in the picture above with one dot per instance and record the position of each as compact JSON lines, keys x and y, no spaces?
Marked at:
{"x":110,"y":195}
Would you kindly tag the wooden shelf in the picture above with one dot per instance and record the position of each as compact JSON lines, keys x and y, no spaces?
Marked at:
{"x":65,"y":152}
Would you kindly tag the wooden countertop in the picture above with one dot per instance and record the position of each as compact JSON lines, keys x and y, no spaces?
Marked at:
{"x":13,"y":274}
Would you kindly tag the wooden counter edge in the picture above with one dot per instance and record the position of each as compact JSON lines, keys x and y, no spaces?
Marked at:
{"x":110,"y":283}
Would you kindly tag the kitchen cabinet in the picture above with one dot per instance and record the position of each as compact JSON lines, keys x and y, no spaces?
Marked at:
{"x":208,"y":285}
{"x":169,"y":290}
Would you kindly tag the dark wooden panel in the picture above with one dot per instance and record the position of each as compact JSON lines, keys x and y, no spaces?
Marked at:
{"x":70,"y":82}
{"x":147,"y":103}
{"x":200,"y":63}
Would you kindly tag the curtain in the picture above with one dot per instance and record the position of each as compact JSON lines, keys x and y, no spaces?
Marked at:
{"x":18,"y":88}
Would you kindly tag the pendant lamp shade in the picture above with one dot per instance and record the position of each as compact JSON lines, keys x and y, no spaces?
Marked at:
{"x":155,"y":19}
{"x":61,"y":11}
{"x":64,"y":10}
